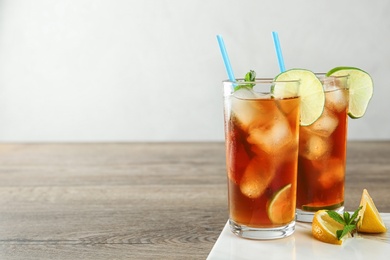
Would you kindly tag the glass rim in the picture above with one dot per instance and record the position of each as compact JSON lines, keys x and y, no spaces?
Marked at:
{"x":324,"y":79}
{"x":261,"y":80}
{"x":323,"y":74}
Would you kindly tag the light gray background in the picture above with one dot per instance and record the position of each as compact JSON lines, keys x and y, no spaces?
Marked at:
{"x":150,"y":70}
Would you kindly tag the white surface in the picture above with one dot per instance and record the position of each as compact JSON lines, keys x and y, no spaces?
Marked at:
{"x":135,"y":70}
{"x":301,"y":245}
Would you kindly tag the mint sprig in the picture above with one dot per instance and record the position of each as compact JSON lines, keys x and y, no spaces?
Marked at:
{"x":249,"y":77}
{"x":349,"y":222}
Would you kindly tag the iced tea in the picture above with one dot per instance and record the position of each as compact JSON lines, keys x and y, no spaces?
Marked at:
{"x":261,"y":134}
{"x":322,"y":154}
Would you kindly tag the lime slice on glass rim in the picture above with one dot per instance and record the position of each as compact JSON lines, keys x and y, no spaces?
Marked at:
{"x":311,"y":92}
{"x":360,"y":89}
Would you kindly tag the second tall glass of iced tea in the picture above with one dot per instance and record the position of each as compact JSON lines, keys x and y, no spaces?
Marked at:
{"x":261,"y":134}
{"x":322,"y":153}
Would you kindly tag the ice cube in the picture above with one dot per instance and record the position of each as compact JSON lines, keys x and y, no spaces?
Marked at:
{"x":242,"y":108}
{"x":325,"y":125}
{"x":237,"y":157}
{"x":243,"y":112}
{"x":331,"y":173}
{"x":245,"y":93}
{"x":271,"y":136}
{"x":314,"y":147}
{"x":257,"y":176}
{"x":328,"y":83}
{"x":337,"y":100}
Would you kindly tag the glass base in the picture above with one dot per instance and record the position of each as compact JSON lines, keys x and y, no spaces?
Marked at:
{"x":307,"y":216}
{"x":262,"y":233}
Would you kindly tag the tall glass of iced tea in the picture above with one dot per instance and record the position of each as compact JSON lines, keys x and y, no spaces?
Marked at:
{"x":261,"y":134}
{"x":322,"y":153}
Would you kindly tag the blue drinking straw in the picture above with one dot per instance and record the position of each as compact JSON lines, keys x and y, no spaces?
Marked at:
{"x":225,"y":58}
{"x":278,"y":51}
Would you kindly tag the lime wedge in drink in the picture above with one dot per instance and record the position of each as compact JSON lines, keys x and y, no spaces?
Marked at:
{"x":311,"y":93}
{"x":360,"y":89}
{"x":317,"y":206}
{"x":280,"y":210}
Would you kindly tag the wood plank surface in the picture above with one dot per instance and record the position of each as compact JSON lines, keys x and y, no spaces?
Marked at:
{"x":135,"y":200}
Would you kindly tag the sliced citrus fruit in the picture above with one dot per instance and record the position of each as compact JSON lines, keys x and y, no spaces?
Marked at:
{"x":281,"y":209}
{"x":360,"y":89}
{"x":310,"y":91}
{"x":324,"y":228}
{"x":370,"y":220}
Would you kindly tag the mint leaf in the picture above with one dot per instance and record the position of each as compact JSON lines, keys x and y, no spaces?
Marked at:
{"x":339,"y":234}
{"x":336,"y":216}
{"x":356,"y":213}
{"x":347,"y":229}
{"x":349,"y":222}
{"x":347,"y":218}
{"x":249,"y":77}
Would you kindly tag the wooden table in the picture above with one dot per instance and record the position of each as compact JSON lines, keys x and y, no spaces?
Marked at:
{"x":135,"y":200}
